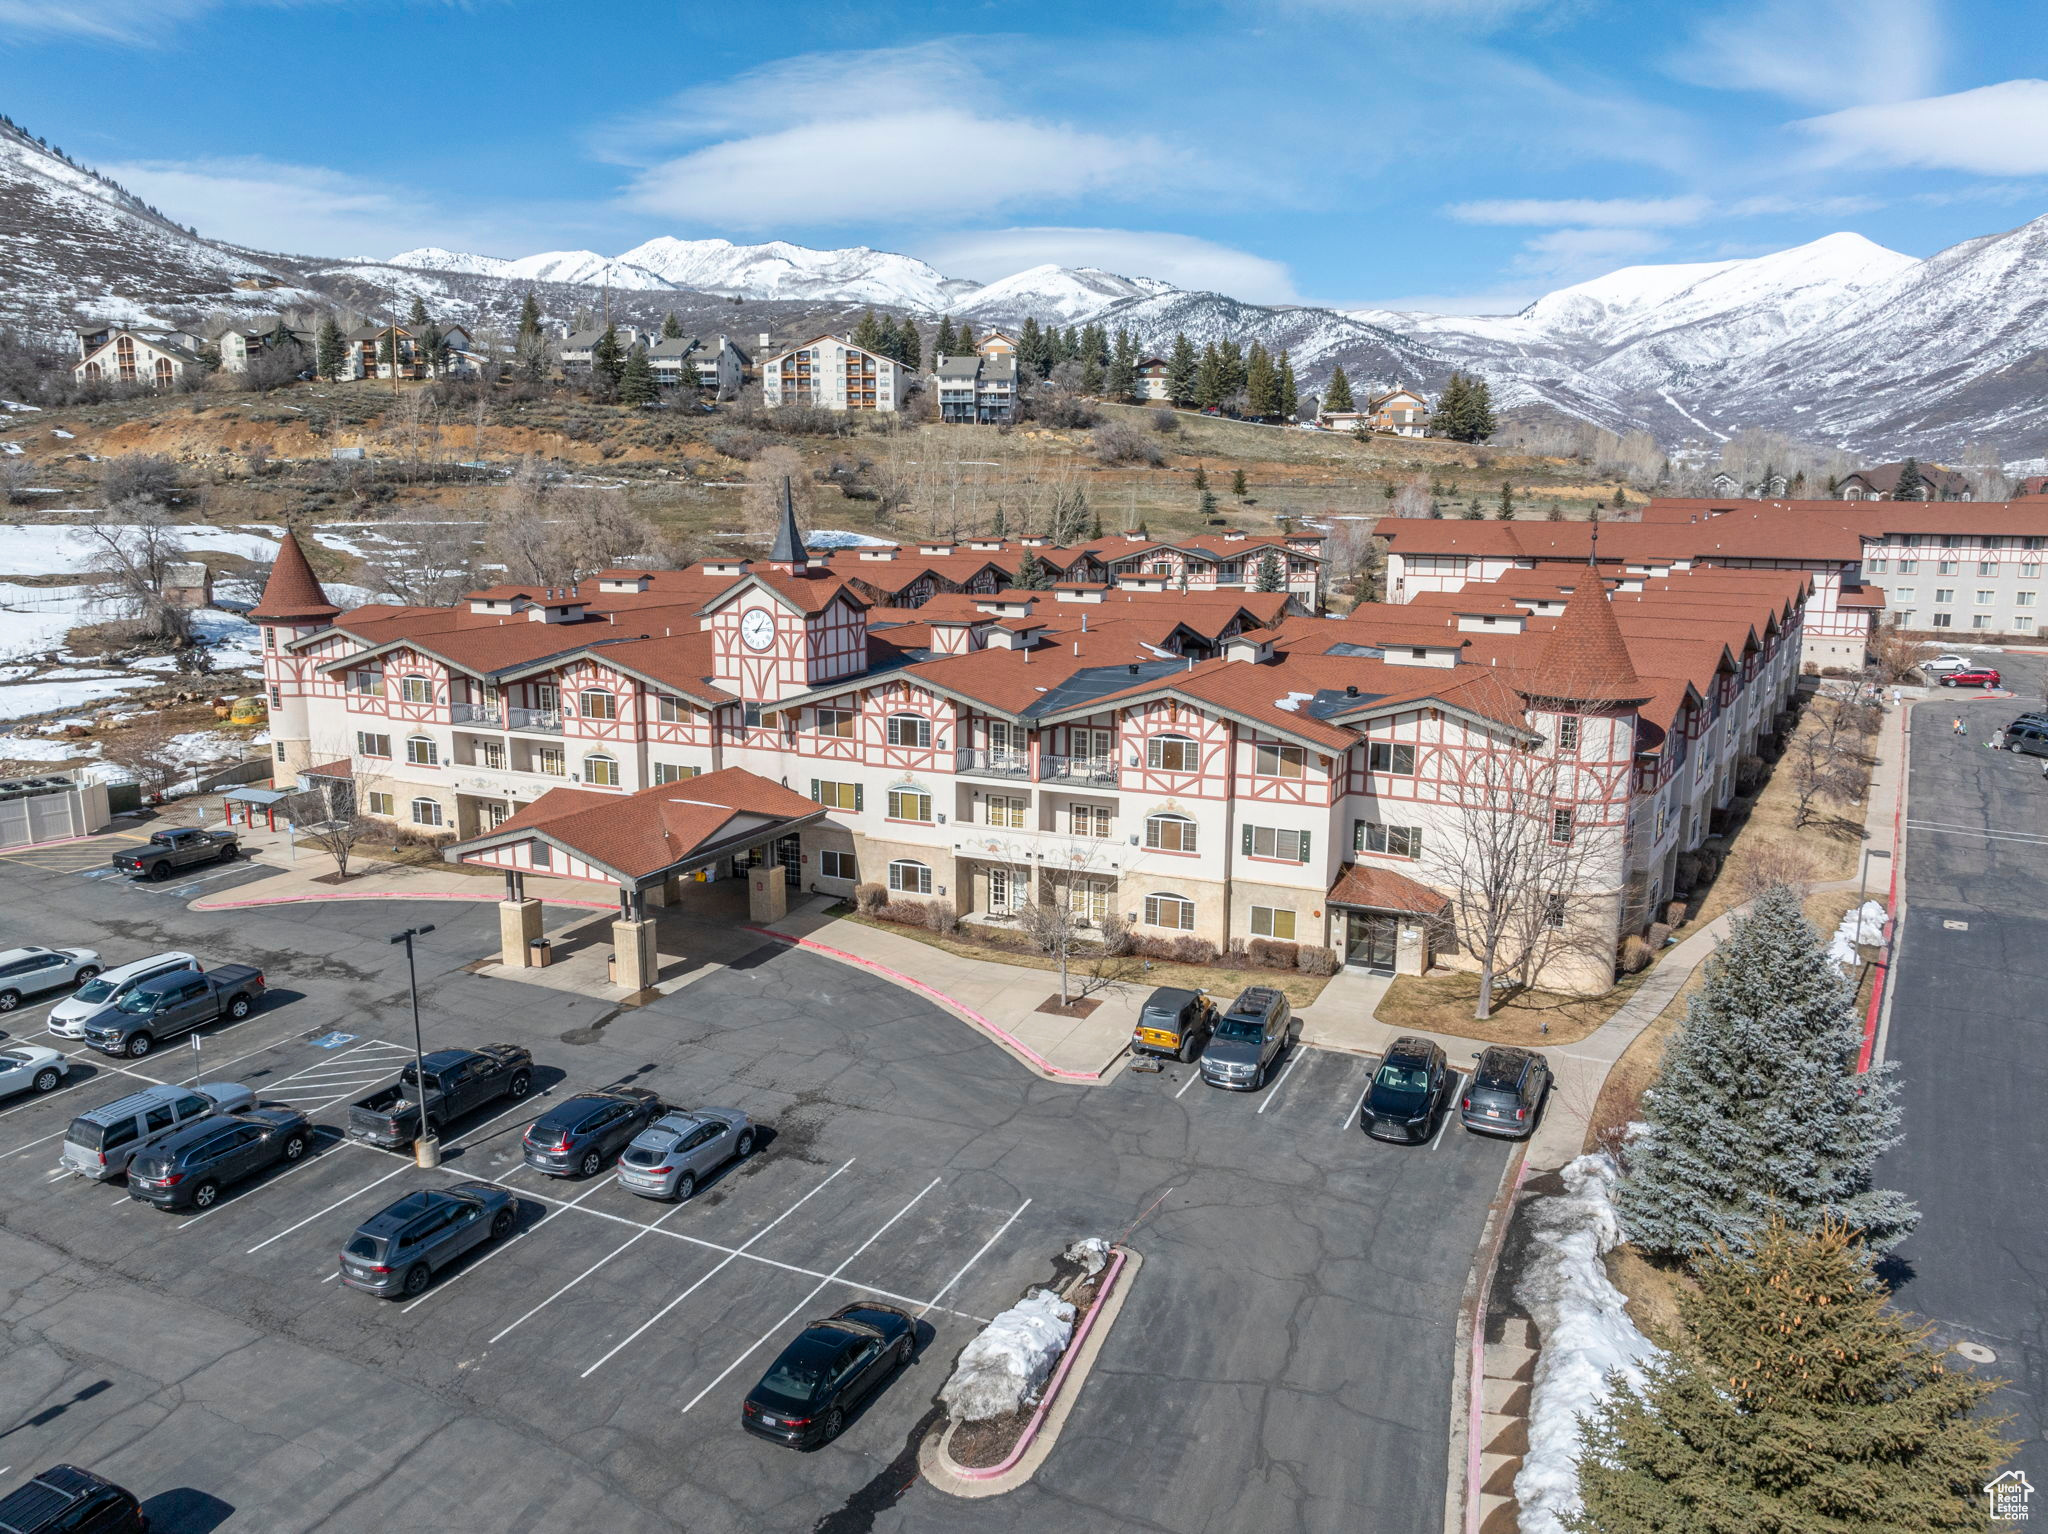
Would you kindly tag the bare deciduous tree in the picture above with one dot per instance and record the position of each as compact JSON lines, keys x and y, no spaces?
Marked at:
{"x":554,"y":534}
{"x":1818,"y":774}
{"x":138,"y":477}
{"x":146,"y":750}
{"x":761,"y":501}
{"x":1066,"y":915}
{"x":432,"y":566}
{"x":331,"y":812}
{"x":129,"y":549}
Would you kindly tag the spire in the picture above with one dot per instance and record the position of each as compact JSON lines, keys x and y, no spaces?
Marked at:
{"x":1585,"y":659}
{"x":292,"y":594}
{"x":789,"y":543}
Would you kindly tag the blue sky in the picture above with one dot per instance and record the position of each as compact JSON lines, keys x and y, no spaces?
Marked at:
{"x":1456,"y":154}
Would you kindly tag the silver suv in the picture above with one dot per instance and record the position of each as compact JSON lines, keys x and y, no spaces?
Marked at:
{"x":671,"y":1156}
{"x":68,"y":1018}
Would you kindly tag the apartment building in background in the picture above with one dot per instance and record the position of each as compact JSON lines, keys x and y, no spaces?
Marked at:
{"x":977,"y":388}
{"x":832,"y":373}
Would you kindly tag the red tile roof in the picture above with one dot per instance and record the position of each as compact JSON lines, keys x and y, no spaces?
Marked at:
{"x":1586,"y":659}
{"x":1382,"y":889}
{"x":292,"y":594}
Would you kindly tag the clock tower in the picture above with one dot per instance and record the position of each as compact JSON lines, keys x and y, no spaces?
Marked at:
{"x":788,"y":628}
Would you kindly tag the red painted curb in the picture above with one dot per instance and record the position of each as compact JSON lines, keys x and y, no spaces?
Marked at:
{"x":1008,"y":1040}
{"x":230,"y":905}
{"x":1059,"y":1378}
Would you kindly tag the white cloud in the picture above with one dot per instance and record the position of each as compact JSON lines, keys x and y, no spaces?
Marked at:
{"x":927,"y":138}
{"x":112,"y":21}
{"x":1606,"y":213}
{"x":1568,"y":255}
{"x":1819,"y":52}
{"x":1995,"y":130}
{"x":1181,"y":259}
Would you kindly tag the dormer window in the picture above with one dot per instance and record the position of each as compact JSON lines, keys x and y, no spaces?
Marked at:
{"x":596,"y":703}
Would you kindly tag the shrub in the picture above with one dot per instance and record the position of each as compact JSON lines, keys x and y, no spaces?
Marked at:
{"x":1165,"y":422}
{"x":138,"y":476}
{"x":1658,"y":935}
{"x":1274,"y":953}
{"x":1120,"y":442}
{"x":942,"y":916}
{"x":909,"y":913}
{"x":869,"y":898}
{"x":1772,"y":864}
{"x":1063,"y":411}
{"x":734,"y":442}
{"x":1315,"y":959}
{"x":1635,"y":955}
{"x":1146,"y":946}
{"x":1188,"y":949}
{"x":808,"y":421}
{"x":1236,"y":955}
{"x":1115,"y":929}
{"x":1749,"y":771}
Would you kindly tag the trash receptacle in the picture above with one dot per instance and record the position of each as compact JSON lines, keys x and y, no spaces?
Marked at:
{"x":611,"y":969}
{"x":540,"y":952}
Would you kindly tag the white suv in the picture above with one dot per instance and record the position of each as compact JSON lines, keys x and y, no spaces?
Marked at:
{"x":68,"y":1018}
{"x":25,"y":972}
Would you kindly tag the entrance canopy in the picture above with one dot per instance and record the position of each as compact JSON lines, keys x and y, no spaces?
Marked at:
{"x":639,"y":841}
{"x":1366,"y":887}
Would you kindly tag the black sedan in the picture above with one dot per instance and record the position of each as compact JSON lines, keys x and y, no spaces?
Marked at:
{"x":1505,"y":1092}
{"x":832,"y":1366}
{"x":583,"y":1136}
{"x":1406,"y":1092}
{"x":398,"y":1250}
{"x":187,"y":1168}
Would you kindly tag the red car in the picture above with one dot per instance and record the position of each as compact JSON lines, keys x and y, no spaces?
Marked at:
{"x":1982,"y":676}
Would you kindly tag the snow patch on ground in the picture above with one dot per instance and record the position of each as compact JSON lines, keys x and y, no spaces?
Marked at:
{"x":32,"y":749}
{"x":1586,"y":1331}
{"x":15,"y":404}
{"x":1865,"y":925}
{"x":23,"y":700}
{"x":840,"y":538}
{"x":58,"y":548}
{"x":1006,"y":1366}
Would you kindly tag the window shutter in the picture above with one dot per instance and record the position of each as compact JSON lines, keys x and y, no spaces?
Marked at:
{"x":859,"y":795}
{"x":1304,"y":846}
{"x":817,"y":795}
{"x":1247,"y":841}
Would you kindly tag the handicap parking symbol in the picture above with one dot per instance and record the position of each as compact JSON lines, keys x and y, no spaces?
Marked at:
{"x":333,"y":1040}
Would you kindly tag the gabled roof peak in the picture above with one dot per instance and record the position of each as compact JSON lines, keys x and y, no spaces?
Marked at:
{"x":292,"y":594}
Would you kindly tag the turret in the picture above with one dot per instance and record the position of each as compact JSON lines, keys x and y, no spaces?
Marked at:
{"x":292,"y":606}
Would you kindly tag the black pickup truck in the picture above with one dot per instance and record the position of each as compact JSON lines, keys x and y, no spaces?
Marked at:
{"x":458,"y":1080}
{"x":172,"y":1004}
{"x":180,"y":847}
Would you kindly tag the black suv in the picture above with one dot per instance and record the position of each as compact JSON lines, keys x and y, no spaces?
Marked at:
{"x":584,"y":1135}
{"x":1249,"y":1040}
{"x":186,"y":1168}
{"x":67,"y":1500}
{"x":1507,"y":1088}
{"x":828,"y":1370}
{"x":1406,"y":1092}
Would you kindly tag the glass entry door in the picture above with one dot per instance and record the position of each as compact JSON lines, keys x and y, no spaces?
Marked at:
{"x":1371,"y":939}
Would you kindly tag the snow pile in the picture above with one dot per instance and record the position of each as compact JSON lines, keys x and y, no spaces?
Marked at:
{"x":1587,"y":1335}
{"x":1090,"y":1252}
{"x":15,"y":748}
{"x":1862,"y":925}
{"x":15,"y":404}
{"x":840,"y":538}
{"x":1005,"y":1367}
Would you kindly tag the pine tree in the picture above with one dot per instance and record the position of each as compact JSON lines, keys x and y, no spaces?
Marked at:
{"x":636,"y":379}
{"x":1261,"y":385}
{"x":1206,"y":507}
{"x":1912,"y":485}
{"x":1122,"y":383}
{"x":867,"y":335}
{"x":1032,"y":574}
{"x":1201,"y":480}
{"x":1209,"y":379}
{"x":1620,"y":500}
{"x":1338,"y":396}
{"x":331,"y":351}
{"x":1182,"y":371}
{"x":1758,"y":1107}
{"x":418,"y":318}
{"x":1031,"y":359}
{"x":1556,"y":512}
{"x":1290,"y":391}
{"x":1238,"y":486}
{"x":1478,"y":411}
{"x":1506,"y":512}
{"x":963,"y":343}
{"x":1271,"y":576}
{"x":1233,"y":361}
{"x":1452,"y":408}
{"x":671,"y":327}
{"x":529,"y":320}
{"x":1794,"y":1400}
{"x":432,"y":348}
{"x":1092,"y":376}
{"x":942,"y":344}
{"x":608,"y":358}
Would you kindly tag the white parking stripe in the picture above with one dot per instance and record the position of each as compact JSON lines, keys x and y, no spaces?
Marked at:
{"x":1194,"y":1076}
{"x":798,"y":1308}
{"x":731,"y":1257}
{"x":309,"y":1219}
{"x":1273,"y":1091}
{"x":1450,"y":1109}
{"x":1358,"y":1107}
{"x":607,"y":1257}
{"x":946,"y":1287}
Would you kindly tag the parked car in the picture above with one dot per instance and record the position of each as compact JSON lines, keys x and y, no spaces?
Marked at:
{"x":187,"y":1168}
{"x":68,"y":1018}
{"x":671,"y":1156}
{"x":1505,"y":1092}
{"x":1249,"y":1039}
{"x":2027,"y":735}
{"x":1406,"y":1092}
{"x":832,"y":1365}
{"x":67,"y":1500}
{"x":1976,"y":676}
{"x":31,"y":1068}
{"x":1942,"y":663}
{"x":581,"y":1137}
{"x":1174,"y":1024}
{"x":180,"y":847}
{"x":398,"y":1250}
{"x":175,"y":1004}
{"x":458,"y":1082}
{"x":26,"y":972}
{"x":100,"y":1141}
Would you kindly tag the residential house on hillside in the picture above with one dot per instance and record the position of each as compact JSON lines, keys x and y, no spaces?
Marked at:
{"x":1401,"y":411}
{"x":577,"y":346}
{"x":1727,"y":484}
{"x":1152,"y":376}
{"x":158,"y":359}
{"x":997,"y":343}
{"x":1882,"y":483}
{"x":832,"y":373}
{"x":977,"y":388}
{"x":715,"y":367}
{"x":239,"y":343}
{"x":95,"y":334}
{"x":1232,"y":560}
{"x":379,"y":351}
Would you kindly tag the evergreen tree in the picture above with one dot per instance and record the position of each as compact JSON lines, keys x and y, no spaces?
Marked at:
{"x":1758,"y":1107}
{"x":1095,"y":526}
{"x":1122,"y":383}
{"x":1092,"y":376}
{"x":331,"y":350}
{"x":608,"y":358}
{"x":1031,"y":354}
{"x":1620,"y":500}
{"x":417,"y":320}
{"x":867,"y":335}
{"x":432,"y":348}
{"x":1453,"y":407}
{"x":1201,"y":477}
{"x":1479,"y":424}
{"x":1210,"y":392}
{"x":1032,"y":574}
{"x":942,"y":344}
{"x":671,"y":327}
{"x":963,"y":343}
{"x":1206,"y":508}
{"x":999,"y":525}
{"x":1233,"y":361}
{"x":1794,"y":1400}
{"x":636,"y":379}
{"x":1238,"y":486}
{"x":1556,"y":512}
{"x":1272,"y":577}
{"x":1506,"y":512}
{"x":1290,"y":392}
{"x":1095,"y":347}
{"x":1182,"y":369}
{"x":1261,"y":385}
{"x":1338,"y":396}
{"x":529,"y":320}
{"x":1912,"y":485}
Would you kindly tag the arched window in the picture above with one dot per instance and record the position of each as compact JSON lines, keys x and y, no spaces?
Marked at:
{"x":426,"y":812}
{"x":910,"y":730}
{"x":1170,"y":833}
{"x":1173,"y":753}
{"x":596,"y":703}
{"x":910,"y":877}
{"x":601,"y":770}
{"x":1174,"y":911}
{"x":421,"y":751}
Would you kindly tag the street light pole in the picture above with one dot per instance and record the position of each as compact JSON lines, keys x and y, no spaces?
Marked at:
{"x":426,"y":1148}
{"x":1864,"y":877}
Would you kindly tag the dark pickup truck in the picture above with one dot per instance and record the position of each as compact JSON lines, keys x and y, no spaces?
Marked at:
{"x":172,"y":1004}
{"x":458,"y":1080}
{"x":180,"y":847}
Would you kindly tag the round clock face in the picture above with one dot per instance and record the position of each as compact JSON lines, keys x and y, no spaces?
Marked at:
{"x":757,"y":629}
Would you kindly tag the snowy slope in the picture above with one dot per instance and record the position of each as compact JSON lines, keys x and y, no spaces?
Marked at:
{"x":779,"y":269}
{"x":585,"y":267}
{"x":1057,"y":293}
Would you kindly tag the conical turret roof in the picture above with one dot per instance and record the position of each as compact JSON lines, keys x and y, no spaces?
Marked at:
{"x":292,"y":594}
{"x":1585,"y":659}
{"x":789,"y":542}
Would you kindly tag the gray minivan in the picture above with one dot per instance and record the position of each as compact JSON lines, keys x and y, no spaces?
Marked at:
{"x":2028,"y":735}
{"x":101,"y":1141}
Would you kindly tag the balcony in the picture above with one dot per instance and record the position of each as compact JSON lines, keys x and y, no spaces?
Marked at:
{"x":477,"y":713}
{"x":992,"y":764}
{"x":1092,"y":771}
{"x":535,"y":721}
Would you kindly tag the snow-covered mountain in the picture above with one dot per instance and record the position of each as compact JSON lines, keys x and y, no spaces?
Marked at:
{"x":1060,"y":294}
{"x":779,"y":270}
{"x":585,"y":267}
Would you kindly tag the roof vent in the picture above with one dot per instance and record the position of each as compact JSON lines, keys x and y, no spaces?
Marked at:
{"x":1350,"y":691}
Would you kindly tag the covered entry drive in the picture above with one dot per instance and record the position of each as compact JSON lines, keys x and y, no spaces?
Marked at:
{"x":1384,"y":922}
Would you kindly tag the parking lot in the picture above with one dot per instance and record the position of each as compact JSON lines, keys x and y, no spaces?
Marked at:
{"x":1285,"y":1358}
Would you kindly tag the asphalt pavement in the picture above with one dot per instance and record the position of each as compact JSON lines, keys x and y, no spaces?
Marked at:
{"x":1967,"y":1026}
{"x":1284,"y":1361}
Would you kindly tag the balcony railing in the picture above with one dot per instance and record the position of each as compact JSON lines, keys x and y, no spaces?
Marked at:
{"x":543,"y":721}
{"x":993,"y":764}
{"x":1097,"y":771}
{"x":477,"y":713}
